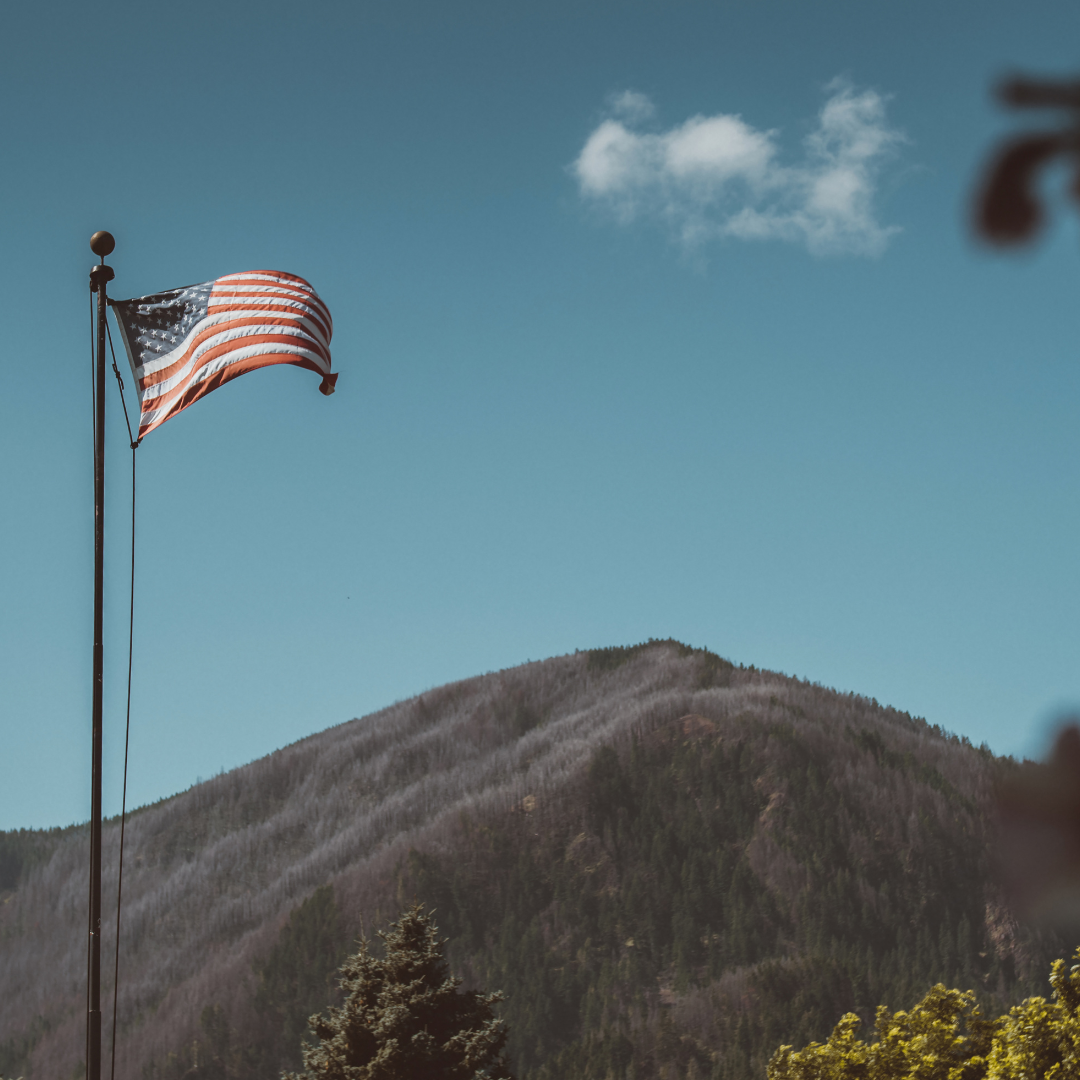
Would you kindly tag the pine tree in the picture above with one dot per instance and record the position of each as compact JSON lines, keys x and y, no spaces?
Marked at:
{"x":404,"y":1018}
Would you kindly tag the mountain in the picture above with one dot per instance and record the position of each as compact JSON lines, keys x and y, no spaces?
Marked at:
{"x":669,"y":865}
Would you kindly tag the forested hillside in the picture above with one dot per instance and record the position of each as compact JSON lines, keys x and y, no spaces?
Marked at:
{"x":669,"y":865}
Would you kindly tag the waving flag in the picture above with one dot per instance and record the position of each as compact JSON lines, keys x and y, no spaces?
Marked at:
{"x":186,"y":342}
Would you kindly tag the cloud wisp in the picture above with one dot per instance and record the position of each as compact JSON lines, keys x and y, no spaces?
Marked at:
{"x":717,"y":176}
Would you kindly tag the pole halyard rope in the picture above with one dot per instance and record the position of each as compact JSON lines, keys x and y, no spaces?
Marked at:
{"x":127,"y":420}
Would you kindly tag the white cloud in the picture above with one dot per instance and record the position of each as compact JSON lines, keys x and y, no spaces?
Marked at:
{"x":716,"y":176}
{"x":712,"y":150}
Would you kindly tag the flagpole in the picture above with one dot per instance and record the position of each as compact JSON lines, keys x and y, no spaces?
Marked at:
{"x":101,"y":244}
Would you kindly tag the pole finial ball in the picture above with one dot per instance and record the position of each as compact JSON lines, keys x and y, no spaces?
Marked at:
{"x":102,"y":243}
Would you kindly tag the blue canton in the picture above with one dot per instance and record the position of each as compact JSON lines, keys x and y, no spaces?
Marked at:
{"x":155,"y":325}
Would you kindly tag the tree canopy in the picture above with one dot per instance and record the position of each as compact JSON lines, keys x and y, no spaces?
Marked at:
{"x":404,"y":1017}
{"x":945,"y":1037}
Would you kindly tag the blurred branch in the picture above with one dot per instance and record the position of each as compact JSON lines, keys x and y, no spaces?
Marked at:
{"x":1008,"y":207}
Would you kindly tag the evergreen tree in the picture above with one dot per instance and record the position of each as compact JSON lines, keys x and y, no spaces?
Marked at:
{"x":404,"y":1018}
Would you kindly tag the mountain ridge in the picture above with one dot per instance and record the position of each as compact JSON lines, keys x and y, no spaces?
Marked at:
{"x":378,"y":806}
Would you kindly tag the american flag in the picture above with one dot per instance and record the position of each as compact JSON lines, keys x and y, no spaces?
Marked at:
{"x":186,"y":342}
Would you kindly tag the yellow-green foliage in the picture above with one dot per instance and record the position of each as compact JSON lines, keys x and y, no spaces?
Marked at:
{"x":945,"y":1037}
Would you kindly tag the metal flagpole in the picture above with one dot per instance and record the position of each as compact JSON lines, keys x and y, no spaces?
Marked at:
{"x":101,"y":244}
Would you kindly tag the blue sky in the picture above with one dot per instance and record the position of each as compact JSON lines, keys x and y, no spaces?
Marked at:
{"x":584,"y":400}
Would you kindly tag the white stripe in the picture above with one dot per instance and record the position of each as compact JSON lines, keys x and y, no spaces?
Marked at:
{"x":225,"y":290}
{"x":160,"y":363}
{"x":222,"y":362}
{"x":236,"y":334}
